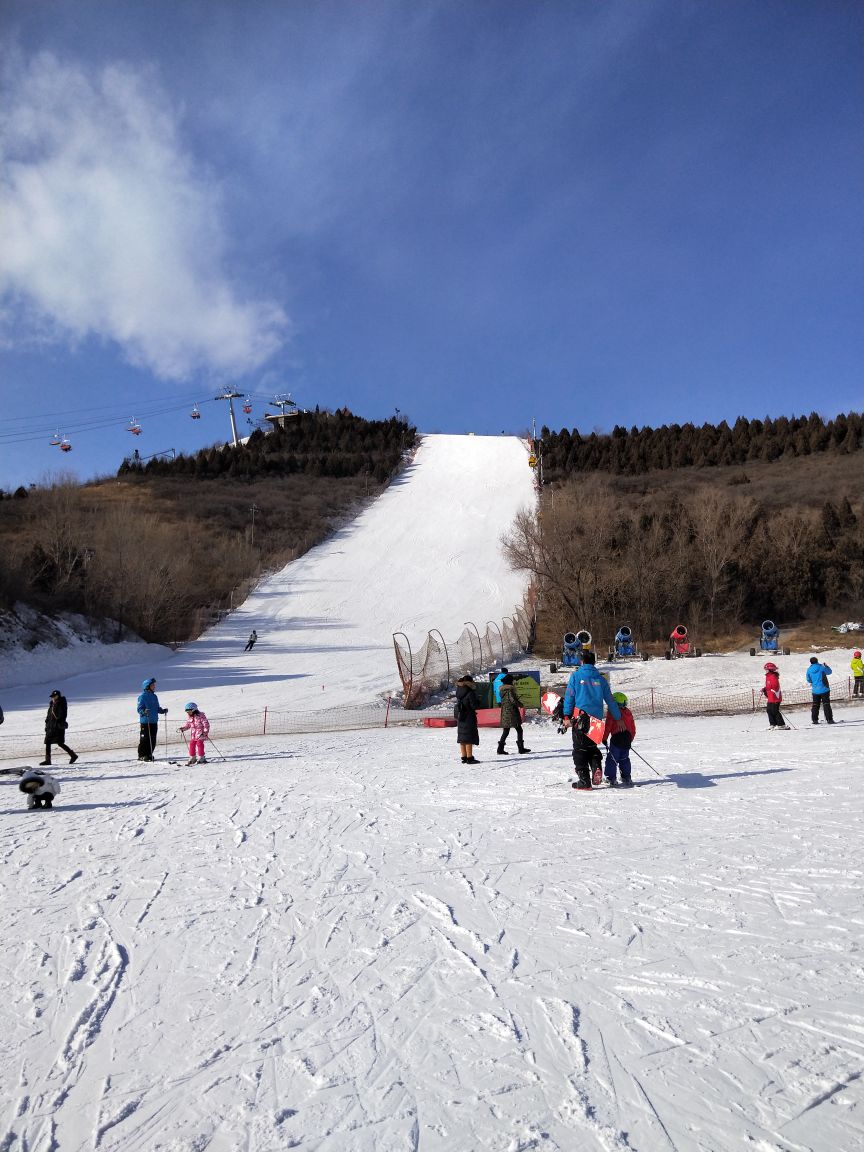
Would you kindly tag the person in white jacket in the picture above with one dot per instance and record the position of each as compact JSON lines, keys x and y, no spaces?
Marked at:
{"x":39,"y":787}
{"x":198,"y":727}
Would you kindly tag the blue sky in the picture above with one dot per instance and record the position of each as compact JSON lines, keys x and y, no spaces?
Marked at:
{"x":479,"y":213}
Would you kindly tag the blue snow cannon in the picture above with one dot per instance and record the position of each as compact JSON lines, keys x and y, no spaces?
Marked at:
{"x":769,"y":641}
{"x":625,"y":644}
{"x":572,"y":647}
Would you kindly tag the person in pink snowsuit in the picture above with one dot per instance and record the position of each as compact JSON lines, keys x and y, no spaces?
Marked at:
{"x":198,"y":727}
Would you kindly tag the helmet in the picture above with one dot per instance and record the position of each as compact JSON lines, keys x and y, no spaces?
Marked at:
{"x":856,"y":655}
{"x":769,"y":667}
{"x":619,"y":697}
{"x":190,"y":707}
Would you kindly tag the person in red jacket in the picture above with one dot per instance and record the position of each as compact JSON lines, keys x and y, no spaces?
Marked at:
{"x":773,"y":697}
{"x":618,"y":736}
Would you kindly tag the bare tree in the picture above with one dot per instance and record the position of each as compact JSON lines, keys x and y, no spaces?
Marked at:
{"x":720,"y":527}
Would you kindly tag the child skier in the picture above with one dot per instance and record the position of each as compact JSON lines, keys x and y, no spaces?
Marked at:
{"x":857,"y":667}
{"x":198,"y":727}
{"x":619,"y":735}
{"x":39,"y":787}
{"x":773,"y":697}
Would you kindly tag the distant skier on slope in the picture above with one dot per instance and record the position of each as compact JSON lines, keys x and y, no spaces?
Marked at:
{"x":587,"y":696}
{"x":817,"y":678}
{"x":250,"y":643}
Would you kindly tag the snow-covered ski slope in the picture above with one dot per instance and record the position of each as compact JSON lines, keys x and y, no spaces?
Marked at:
{"x":354,"y":943}
{"x":425,"y":554}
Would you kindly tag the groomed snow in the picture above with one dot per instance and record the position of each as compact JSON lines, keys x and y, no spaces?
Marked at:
{"x":354,"y":942}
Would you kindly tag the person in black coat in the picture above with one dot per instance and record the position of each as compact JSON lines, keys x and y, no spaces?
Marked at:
{"x":55,"y":728}
{"x":465,"y":713}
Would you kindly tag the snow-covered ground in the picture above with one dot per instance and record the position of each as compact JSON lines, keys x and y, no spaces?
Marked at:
{"x":354,"y":942}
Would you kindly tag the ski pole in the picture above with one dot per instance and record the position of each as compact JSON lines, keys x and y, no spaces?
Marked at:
{"x":218,"y":753}
{"x":644,"y":761}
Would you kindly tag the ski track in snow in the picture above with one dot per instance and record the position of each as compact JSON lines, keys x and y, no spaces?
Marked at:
{"x":424,"y":956}
{"x":353,"y":943}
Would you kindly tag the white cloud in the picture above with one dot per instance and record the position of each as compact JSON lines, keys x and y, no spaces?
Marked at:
{"x":108,"y":230}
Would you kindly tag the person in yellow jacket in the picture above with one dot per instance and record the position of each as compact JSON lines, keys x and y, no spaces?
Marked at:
{"x":857,"y":667}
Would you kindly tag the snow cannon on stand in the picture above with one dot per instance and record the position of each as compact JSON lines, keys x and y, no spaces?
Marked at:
{"x":679,"y":644}
{"x":572,"y":647}
{"x":625,"y":646}
{"x":769,"y":641}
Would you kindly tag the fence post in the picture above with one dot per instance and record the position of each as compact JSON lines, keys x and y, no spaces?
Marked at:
{"x":500,"y":637}
{"x":652,"y":701}
{"x":446,"y":657}
{"x":479,"y":663}
{"x":387,"y":713}
{"x":753,"y":695}
{"x":264,"y":733}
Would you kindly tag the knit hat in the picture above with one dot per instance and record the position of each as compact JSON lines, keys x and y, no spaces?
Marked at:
{"x":466,"y":679}
{"x":769,"y":667}
{"x":589,"y":658}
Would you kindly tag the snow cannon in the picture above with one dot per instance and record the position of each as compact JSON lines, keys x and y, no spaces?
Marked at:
{"x":625,"y":647}
{"x":769,"y":641}
{"x":572,"y":647}
{"x":679,"y":643}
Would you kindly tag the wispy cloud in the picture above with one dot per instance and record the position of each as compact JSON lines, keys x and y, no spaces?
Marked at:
{"x":108,"y":229}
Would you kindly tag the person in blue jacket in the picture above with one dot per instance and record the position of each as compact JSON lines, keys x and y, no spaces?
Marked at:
{"x":588,"y":694}
{"x":817,"y":678}
{"x":148,"y":717}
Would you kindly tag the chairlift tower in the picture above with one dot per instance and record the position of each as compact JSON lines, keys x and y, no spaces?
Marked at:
{"x":231,"y":396}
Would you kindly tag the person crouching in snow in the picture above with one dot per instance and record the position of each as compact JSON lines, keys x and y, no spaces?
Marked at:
{"x":619,"y":735}
{"x":773,"y":697}
{"x":198,"y":727}
{"x":39,"y":787}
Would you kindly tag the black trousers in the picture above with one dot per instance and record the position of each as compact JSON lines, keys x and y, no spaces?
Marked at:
{"x":858,"y":685}
{"x":587,"y":757}
{"x":824,"y":700}
{"x":505,"y":732}
{"x":775,"y":717}
{"x":48,"y":744}
{"x":147,"y":741}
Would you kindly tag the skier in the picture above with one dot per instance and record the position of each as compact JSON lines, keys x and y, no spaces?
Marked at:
{"x":148,"y":716}
{"x":39,"y":787}
{"x":465,"y":713}
{"x":510,"y":716}
{"x":773,"y":697}
{"x":587,"y":692}
{"x":817,"y":678}
{"x":857,"y":667}
{"x":619,"y":735}
{"x":55,"y":728}
{"x":198,"y":727}
{"x":250,"y":643}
